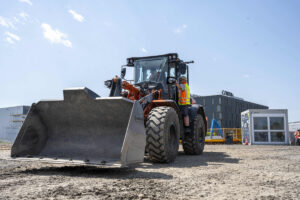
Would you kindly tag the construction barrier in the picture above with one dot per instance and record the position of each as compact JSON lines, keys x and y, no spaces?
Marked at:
{"x":227,"y":135}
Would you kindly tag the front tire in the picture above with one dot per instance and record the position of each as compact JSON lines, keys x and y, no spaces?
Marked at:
{"x":162,"y":133}
{"x":193,"y":143}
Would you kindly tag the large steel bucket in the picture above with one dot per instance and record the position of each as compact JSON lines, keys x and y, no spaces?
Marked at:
{"x":83,"y":129}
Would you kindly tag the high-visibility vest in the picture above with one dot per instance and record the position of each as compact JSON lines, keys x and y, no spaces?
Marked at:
{"x":184,"y":97}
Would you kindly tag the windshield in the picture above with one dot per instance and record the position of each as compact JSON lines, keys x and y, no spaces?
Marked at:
{"x":150,"y":70}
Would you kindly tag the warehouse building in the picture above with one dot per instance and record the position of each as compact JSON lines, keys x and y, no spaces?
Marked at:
{"x":11,"y":120}
{"x":225,"y":108}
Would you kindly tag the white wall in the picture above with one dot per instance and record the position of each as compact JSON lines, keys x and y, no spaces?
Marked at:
{"x":11,"y":120}
{"x":294,"y":126}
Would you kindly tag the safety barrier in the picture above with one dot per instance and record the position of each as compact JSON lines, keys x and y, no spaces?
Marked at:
{"x":229,"y":134}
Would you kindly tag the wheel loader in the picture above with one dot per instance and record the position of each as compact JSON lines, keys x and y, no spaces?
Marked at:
{"x":140,"y":117}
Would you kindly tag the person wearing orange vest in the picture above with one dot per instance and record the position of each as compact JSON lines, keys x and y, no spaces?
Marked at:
{"x":184,"y":101}
{"x":297,"y":137}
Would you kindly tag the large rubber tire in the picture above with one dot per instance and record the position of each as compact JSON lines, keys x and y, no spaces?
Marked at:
{"x":193,"y":143}
{"x":162,"y":131}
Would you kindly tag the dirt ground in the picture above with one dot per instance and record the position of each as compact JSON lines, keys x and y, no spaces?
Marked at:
{"x":222,"y":172}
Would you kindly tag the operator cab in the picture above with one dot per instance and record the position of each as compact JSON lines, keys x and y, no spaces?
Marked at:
{"x":151,"y":73}
{"x":154,"y":72}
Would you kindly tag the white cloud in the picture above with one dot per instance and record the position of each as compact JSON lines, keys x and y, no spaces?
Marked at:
{"x":3,"y":22}
{"x":12,"y":25}
{"x":26,"y":1}
{"x":6,"y":23}
{"x":180,"y":29}
{"x":76,"y":16}
{"x":8,"y":39}
{"x":55,"y":36}
{"x":24,"y":15}
{"x":246,"y":76}
{"x":16,"y":20}
{"x":144,"y":50}
{"x":11,"y":38}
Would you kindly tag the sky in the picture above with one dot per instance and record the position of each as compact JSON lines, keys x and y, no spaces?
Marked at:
{"x":250,"y":48}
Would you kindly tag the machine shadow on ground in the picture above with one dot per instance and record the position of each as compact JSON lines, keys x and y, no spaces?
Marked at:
{"x":187,"y":161}
{"x":182,"y":161}
{"x":95,"y":172}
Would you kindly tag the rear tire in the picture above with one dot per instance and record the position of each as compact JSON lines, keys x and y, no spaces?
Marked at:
{"x":162,"y":131}
{"x":193,"y":143}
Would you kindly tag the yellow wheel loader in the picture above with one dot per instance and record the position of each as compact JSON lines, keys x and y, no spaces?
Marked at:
{"x":140,"y":117}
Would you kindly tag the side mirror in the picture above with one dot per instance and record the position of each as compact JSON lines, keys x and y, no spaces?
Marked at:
{"x":171,"y":80}
{"x":108,"y":83}
{"x":123,"y":72}
{"x":182,"y":68}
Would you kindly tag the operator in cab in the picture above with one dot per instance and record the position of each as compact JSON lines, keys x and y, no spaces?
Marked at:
{"x":184,"y":101}
{"x":153,"y":75}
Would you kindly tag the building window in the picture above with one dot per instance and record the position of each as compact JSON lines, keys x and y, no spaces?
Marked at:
{"x":219,"y":122}
{"x":276,"y":123}
{"x":218,"y":108}
{"x":212,"y":100}
{"x":269,"y":129}
{"x":260,"y":123}
{"x":277,"y":137}
{"x":204,"y":102}
{"x":261,"y":136}
{"x":277,"y":129}
{"x":220,"y":101}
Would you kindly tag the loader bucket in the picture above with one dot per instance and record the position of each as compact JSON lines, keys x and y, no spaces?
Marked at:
{"x":83,"y":129}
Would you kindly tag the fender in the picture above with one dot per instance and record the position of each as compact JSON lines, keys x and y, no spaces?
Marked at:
{"x":169,"y":103}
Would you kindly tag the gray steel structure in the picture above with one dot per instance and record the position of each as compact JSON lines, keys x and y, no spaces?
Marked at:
{"x":225,"y":109}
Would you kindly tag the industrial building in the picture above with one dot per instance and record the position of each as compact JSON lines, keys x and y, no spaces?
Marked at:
{"x":225,"y":108}
{"x":11,"y":120}
{"x":265,"y":126}
{"x":294,"y":126}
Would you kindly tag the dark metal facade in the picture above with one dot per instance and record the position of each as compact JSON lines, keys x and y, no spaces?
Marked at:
{"x":225,"y":109}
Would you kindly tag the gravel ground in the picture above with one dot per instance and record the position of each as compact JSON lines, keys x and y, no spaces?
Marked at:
{"x":222,"y":172}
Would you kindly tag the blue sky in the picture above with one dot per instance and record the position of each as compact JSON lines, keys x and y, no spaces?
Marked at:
{"x":250,"y":48}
